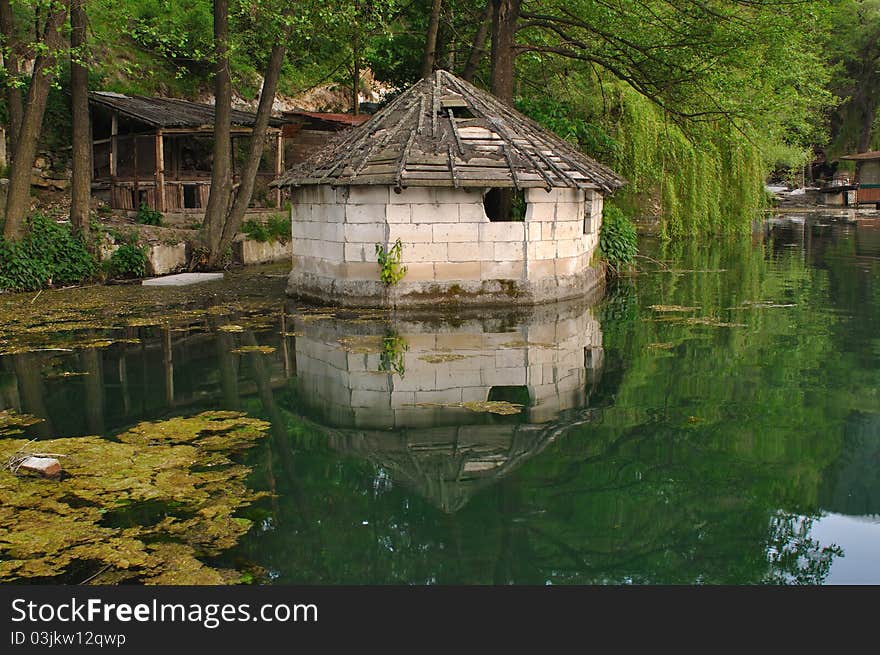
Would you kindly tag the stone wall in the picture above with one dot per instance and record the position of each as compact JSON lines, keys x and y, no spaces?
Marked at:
{"x":450,"y":248}
{"x":556,"y":356}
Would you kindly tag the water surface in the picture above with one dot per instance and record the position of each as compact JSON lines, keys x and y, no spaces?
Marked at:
{"x":714,"y":419}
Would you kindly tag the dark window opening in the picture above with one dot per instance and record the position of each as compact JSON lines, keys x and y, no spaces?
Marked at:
{"x":505,"y":205}
{"x":140,"y":198}
{"x":459,"y":112}
{"x":517,"y":395}
{"x":190,"y":197}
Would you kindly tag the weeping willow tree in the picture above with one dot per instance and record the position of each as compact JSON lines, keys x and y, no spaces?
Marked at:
{"x":694,"y":102}
{"x":706,"y":181}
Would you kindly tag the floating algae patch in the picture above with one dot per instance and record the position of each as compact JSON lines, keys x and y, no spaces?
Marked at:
{"x":662,"y":346}
{"x":527,"y":344}
{"x":711,"y":322}
{"x":231,"y":328}
{"x":49,"y":528}
{"x":673,"y":308}
{"x":442,"y":357}
{"x":11,"y":423}
{"x":501,"y":407}
{"x":367,"y":344}
{"x":265,"y":350}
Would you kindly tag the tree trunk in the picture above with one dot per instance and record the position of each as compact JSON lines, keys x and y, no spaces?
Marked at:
{"x":13,"y":93}
{"x":81,"y":179}
{"x":221,"y":167}
{"x":431,"y":39}
{"x":356,"y":78}
{"x":504,"y":19}
{"x":478,"y":50}
{"x":18,"y":198}
{"x":258,"y":141}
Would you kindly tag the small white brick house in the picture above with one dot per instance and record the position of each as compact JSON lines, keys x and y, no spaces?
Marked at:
{"x":442,"y":168}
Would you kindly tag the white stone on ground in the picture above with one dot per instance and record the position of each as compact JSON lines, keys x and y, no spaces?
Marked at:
{"x":182,"y":279}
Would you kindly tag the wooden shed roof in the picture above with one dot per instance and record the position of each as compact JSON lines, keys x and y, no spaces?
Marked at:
{"x":168,"y":112}
{"x":863,"y":156}
{"x":444,"y":131}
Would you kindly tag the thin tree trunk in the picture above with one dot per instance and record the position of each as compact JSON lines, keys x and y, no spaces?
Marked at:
{"x":14,"y":105}
{"x":221,"y":167}
{"x":478,"y":50}
{"x":504,"y":19}
{"x":258,"y":141}
{"x":18,"y":198}
{"x":356,"y":78}
{"x":81,"y":179}
{"x":431,"y":39}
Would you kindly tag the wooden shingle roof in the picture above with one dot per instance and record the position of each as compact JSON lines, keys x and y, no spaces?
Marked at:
{"x":446,"y":132}
{"x":168,"y":112}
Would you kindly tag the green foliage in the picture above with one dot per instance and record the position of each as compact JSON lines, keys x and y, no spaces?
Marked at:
{"x":49,"y":254}
{"x":391,"y":271}
{"x":617,"y":237}
{"x":148,"y":216}
{"x":391,"y":357}
{"x":129,"y":260}
{"x":276,"y":228}
{"x":564,"y":120}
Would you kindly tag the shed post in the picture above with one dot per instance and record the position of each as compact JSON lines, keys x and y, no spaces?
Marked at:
{"x":279,"y":164}
{"x":114,"y":145}
{"x":134,"y":147}
{"x":160,"y":172}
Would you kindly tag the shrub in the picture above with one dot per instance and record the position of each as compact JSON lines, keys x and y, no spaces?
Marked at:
{"x":50,"y":253}
{"x":129,"y":260}
{"x":276,"y":228}
{"x":617,"y":238}
{"x":147,"y":216}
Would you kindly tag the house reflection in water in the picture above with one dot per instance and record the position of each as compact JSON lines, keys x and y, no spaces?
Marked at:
{"x":412,"y":397}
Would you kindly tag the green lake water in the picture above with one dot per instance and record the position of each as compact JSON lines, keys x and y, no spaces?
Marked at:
{"x":714,"y":419}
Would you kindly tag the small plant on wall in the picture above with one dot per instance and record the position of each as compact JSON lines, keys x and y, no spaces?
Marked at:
{"x":390,"y":269}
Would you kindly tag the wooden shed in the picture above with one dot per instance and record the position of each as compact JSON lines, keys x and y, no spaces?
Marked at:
{"x":157,"y":152}
{"x":867,"y":176}
{"x":490,"y":207}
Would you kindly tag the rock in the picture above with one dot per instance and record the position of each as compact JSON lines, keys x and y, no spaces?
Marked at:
{"x":59,"y":183}
{"x":48,"y":467}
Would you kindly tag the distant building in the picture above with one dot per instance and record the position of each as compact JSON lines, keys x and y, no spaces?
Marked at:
{"x":158,"y":152}
{"x":307,"y":132}
{"x":867,"y":176}
{"x":443,"y":168}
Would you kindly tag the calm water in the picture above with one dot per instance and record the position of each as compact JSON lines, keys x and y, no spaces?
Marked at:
{"x":715,"y":419}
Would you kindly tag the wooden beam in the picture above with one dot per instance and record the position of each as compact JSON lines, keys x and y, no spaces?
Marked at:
{"x":134,"y":148}
{"x":279,"y":165}
{"x":114,"y":144}
{"x":160,"y":171}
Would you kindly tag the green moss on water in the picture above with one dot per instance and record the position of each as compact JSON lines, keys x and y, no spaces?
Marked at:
{"x":50,"y":527}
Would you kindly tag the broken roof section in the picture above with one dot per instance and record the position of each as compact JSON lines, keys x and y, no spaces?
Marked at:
{"x":444,"y":131}
{"x":168,"y":112}
{"x":341,"y":120}
{"x":863,"y":156}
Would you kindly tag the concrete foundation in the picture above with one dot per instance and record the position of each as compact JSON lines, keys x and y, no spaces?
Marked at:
{"x":247,"y":251}
{"x":451,"y":251}
{"x":166,"y":258}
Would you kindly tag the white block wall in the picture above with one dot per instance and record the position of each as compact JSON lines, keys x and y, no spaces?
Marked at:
{"x":445,"y":233}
